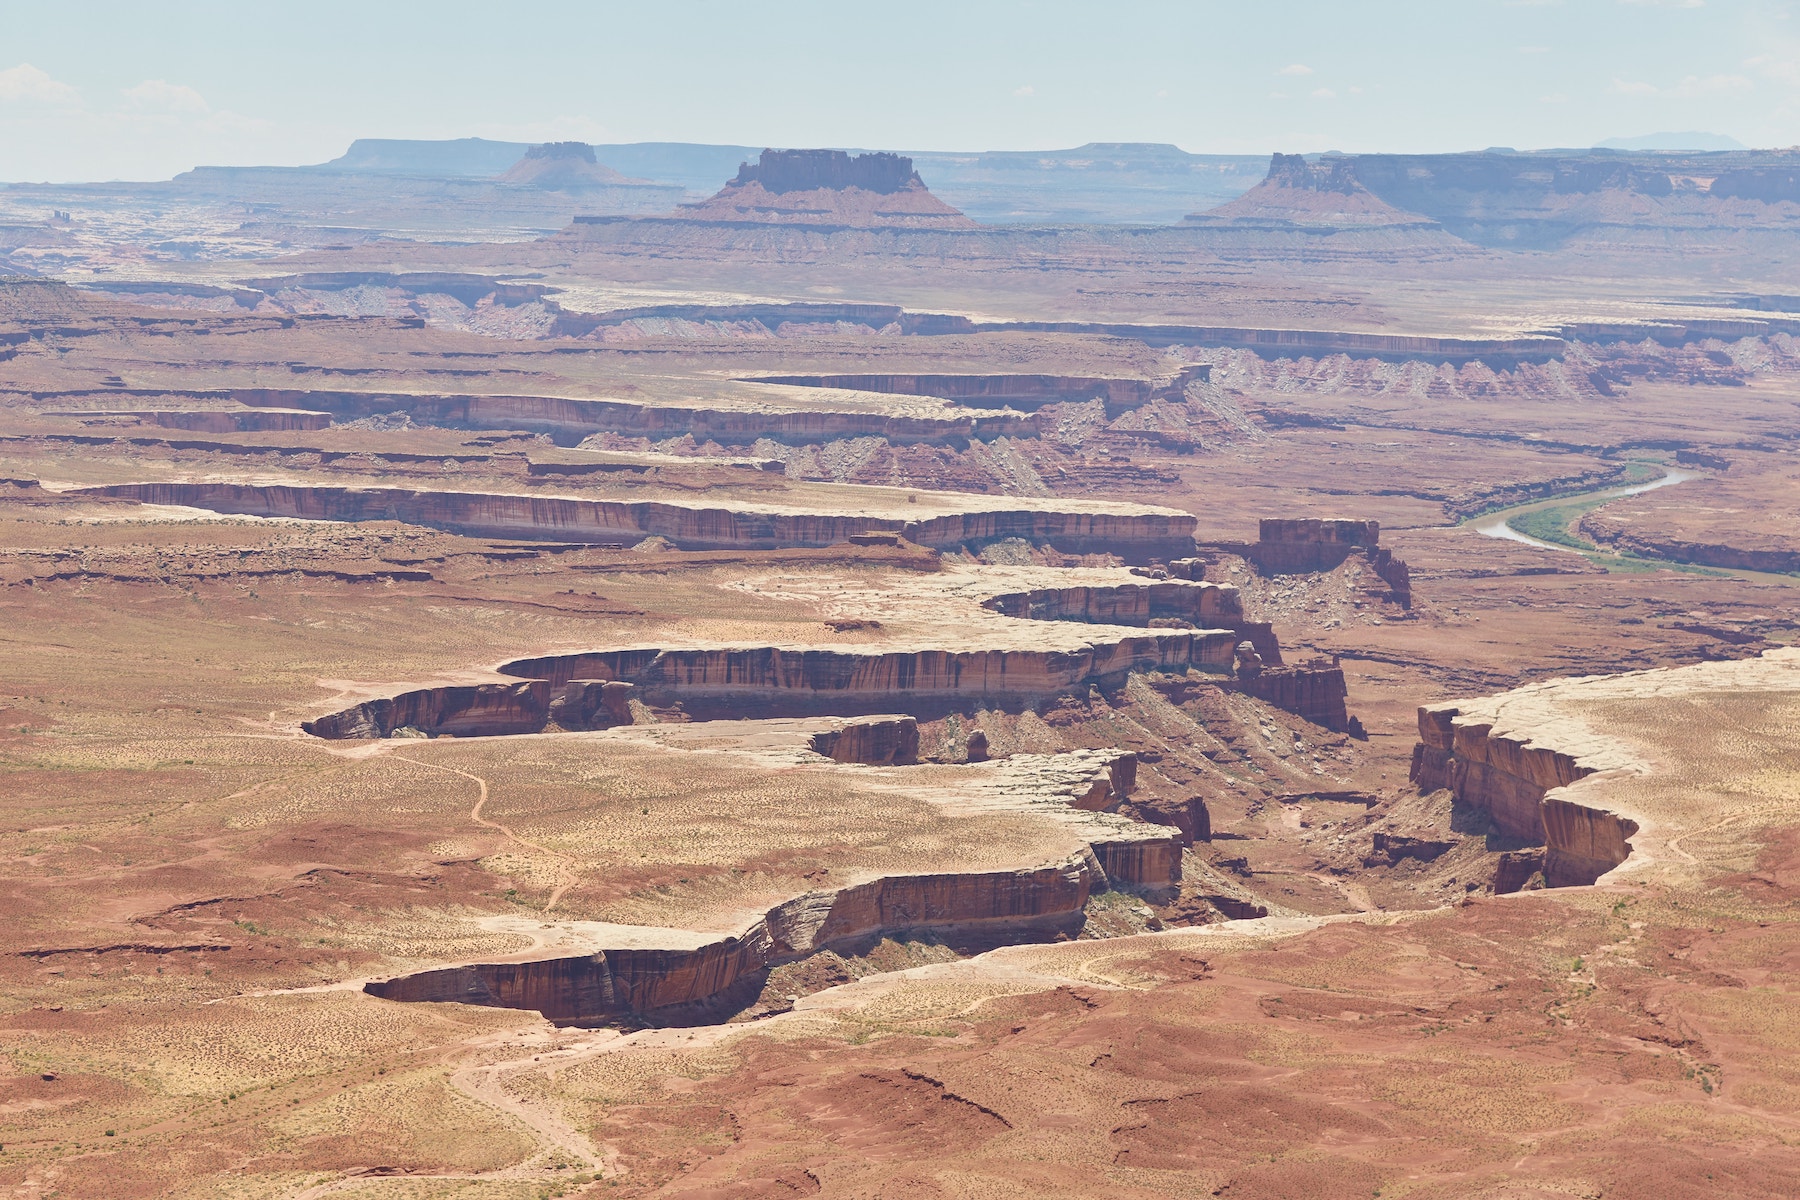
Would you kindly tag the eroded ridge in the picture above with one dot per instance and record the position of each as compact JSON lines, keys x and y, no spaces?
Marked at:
{"x":1611,"y":772}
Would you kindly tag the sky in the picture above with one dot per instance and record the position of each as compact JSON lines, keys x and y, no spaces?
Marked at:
{"x":103,"y":90}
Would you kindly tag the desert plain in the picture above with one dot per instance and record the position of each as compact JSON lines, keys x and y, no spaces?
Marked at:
{"x":547,"y":684}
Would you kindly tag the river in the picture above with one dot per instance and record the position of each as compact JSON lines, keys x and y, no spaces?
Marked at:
{"x":1495,"y":525}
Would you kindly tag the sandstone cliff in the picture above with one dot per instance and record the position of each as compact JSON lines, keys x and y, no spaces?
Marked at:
{"x":877,"y":741}
{"x":1315,"y":692}
{"x":776,"y":681}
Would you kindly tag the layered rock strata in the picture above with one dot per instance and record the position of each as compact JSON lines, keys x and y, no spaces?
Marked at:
{"x":769,"y":681}
{"x":679,"y":977}
{"x":206,"y":420}
{"x":1135,"y":536}
{"x":478,"y":710}
{"x":787,"y":681}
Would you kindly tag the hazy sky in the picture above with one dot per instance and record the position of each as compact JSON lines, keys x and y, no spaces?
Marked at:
{"x":144,"y":89}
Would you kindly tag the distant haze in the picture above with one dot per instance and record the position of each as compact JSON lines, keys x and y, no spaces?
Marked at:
{"x":142,"y":91}
{"x":1674,"y":141}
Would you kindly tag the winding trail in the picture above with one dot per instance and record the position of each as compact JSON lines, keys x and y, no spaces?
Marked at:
{"x":566,"y":873}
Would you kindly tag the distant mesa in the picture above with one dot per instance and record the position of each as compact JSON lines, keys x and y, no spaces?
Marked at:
{"x":565,"y":167}
{"x":830,"y":188}
{"x":1328,"y":192}
{"x":1505,"y":199}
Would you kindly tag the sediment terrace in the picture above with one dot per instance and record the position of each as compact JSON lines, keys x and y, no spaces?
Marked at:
{"x":1626,"y":774}
{"x":1135,"y":533}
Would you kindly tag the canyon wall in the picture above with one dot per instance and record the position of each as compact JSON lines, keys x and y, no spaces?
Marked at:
{"x":479,"y":710}
{"x":801,"y":681}
{"x":966,"y":910}
{"x":218,"y":420}
{"x":1133,"y":536}
{"x":768,"y":681}
{"x":1511,"y":778}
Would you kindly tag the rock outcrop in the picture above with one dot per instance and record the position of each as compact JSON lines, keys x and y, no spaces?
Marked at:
{"x":479,"y":710}
{"x":593,"y":704}
{"x":1324,"y":193}
{"x":829,"y":188}
{"x":1136,"y":536}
